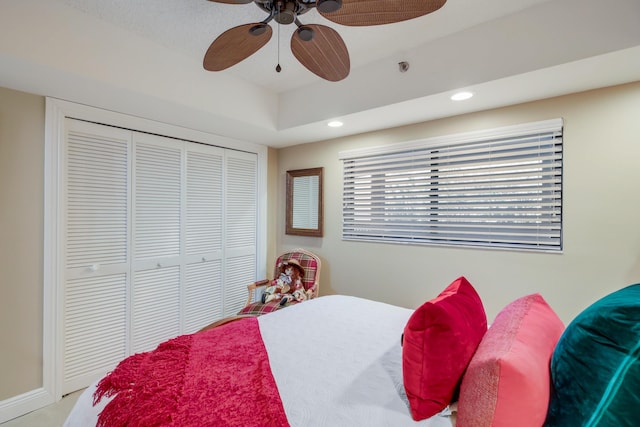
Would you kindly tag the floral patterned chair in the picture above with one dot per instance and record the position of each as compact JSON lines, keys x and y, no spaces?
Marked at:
{"x":310,"y":264}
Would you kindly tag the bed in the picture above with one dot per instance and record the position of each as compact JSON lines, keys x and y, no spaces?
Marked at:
{"x":346,"y":361}
{"x":335,"y":361}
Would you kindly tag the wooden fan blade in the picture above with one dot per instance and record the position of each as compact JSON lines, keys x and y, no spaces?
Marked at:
{"x":325,"y":54}
{"x":233,"y":1}
{"x":377,"y":12}
{"x":234,"y":45}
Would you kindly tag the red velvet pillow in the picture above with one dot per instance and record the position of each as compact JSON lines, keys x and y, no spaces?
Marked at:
{"x":439,"y":341}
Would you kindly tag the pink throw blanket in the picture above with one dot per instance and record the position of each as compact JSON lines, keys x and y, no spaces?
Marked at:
{"x":220,"y":377}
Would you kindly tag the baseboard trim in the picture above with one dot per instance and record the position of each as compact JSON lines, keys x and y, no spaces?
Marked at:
{"x":24,"y":403}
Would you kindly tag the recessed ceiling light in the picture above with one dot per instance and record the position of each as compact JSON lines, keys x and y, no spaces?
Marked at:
{"x":461,"y":96}
{"x":335,"y":124}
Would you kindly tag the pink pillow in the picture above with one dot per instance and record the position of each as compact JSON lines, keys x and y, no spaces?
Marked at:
{"x":507,"y":382}
{"x":439,"y":340}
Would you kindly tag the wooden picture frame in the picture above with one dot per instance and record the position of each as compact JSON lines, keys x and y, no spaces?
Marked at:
{"x":305,"y":204}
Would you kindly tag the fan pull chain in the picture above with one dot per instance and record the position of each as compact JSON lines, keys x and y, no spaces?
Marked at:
{"x":278,"y":67}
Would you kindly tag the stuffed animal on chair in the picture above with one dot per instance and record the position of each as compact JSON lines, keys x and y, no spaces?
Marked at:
{"x":286,"y":284}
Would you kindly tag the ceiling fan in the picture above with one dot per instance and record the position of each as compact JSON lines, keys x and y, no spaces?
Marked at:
{"x":318,"y":47}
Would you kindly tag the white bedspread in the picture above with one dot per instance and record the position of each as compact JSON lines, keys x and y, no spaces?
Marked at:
{"x":337,"y":361}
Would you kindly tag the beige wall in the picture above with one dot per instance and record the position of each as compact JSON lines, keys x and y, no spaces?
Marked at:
{"x":21,"y":237}
{"x":601,"y":214}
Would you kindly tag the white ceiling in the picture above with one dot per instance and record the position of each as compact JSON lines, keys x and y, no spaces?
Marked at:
{"x":144,"y":57}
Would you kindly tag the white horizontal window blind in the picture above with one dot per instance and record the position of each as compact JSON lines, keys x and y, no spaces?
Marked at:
{"x":495,"y":188}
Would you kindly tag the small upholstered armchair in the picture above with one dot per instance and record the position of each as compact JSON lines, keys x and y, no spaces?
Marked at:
{"x":310,"y":278}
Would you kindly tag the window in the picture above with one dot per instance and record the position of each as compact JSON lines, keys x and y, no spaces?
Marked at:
{"x":499,"y":188}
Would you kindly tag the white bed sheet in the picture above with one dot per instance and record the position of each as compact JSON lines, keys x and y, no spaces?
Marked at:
{"x":337,"y":361}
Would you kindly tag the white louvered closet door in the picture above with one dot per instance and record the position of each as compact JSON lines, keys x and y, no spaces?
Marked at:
{"x":95,"y":253}
{"x":157,"y":211}
{"x":203,"y":236}
{"x":240,"y":222}
{"x":160,"y":239}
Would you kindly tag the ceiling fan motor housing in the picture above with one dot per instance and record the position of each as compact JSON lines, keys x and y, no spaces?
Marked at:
{"x":285,"y":11}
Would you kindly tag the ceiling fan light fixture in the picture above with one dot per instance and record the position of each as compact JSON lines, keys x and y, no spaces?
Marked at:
{"x":287,"y":15}
{"x":305,"y":33}
{"x":328,"y":6}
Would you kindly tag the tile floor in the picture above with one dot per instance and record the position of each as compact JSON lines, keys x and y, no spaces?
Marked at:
{"x":49,"y":416}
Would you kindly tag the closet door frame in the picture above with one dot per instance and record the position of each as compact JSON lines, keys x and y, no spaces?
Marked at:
{"x":56,"y":113}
